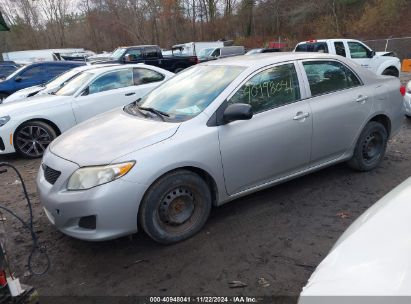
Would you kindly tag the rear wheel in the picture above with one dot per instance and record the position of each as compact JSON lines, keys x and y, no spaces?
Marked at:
{"x":32,"y":138}
{"x":175,"y":207}
{"x":370,"y":148}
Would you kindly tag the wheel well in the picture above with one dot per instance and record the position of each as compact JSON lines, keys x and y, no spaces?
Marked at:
{"x":204,"y":175}
{"x":208,"y":179}
{"x":50,"y":123}
{"x":393,"y":69}
{"x":384,"y":120}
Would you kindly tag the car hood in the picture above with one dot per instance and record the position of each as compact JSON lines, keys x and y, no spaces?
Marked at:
{"x":372,"y":257}
{"x":31,"y":105}
{"x":22,"y":94}
{"x":108,"y":136}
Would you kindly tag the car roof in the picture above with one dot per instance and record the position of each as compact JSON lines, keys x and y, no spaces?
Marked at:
{"x":111,"y":67}
{"x":138,"y":46}
{"x":264,"y":59}
{"x":74,"y":63}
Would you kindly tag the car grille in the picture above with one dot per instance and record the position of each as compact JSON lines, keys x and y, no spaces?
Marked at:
{"x":50,"y":174}
{"x":2,"y":147}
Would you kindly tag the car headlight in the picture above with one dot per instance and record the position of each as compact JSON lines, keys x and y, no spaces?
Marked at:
{"x":89,"y":177}
{"x":4,"y":120}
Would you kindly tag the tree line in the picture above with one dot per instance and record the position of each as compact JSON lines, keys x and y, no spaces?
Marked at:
{"x":105,"y":24}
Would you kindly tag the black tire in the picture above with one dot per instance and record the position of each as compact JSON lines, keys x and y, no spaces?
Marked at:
{"x":178,"y":70}
{"x":175,"y":207}
{"x":32,"y":138}
{"x":370,"y":148}
{"x":3,"y":96}
{"x":391,"y":72}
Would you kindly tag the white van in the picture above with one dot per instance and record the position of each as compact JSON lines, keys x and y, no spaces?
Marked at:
{"x":195,"y":48}
{"x":31,"y":56}
{"x":220,"y":52}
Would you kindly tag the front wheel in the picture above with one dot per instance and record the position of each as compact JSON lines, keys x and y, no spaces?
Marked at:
{"x":370,"y":148}
{"x":32,"y":138}
{"x":391,"y":72}
{"x":175,"y":207}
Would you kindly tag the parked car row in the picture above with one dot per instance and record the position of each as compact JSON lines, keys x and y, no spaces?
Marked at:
{"x":28,"y":127}
{"x":34,"y":74}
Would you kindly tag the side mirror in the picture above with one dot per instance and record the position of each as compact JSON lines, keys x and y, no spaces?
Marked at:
{"x":372,"y":54}
{"x":18,"y":79}
{"x":237,"y":111}
{"x":85,"y":92}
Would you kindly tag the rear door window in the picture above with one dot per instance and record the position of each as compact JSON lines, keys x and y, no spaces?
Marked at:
{"x":143,"y":76}
{"x":340,"y":48}
{"x":271,"y":88}
{"x":320,"y":47}
{"x":151,"y":53}
{"x":329,"y":76}
{"x":358,"y":50}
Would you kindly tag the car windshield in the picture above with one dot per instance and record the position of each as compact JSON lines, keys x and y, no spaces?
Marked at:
{"x":204,"y":53}
{"x":118,"y":53}
{"x":16,"y":72}
{"x":75,"y":84}
{"x":190,"y":92}
{"x":61,"y":79}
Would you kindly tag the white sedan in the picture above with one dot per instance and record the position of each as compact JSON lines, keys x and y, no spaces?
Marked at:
{"x":28,"y":127}
{"x":50,"y":87}
{"x":371,"y":262}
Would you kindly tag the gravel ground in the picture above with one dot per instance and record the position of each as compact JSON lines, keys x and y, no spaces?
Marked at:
{"x":280,"y":234}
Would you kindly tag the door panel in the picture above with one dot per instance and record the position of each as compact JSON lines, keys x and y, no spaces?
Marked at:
{"x":269,"y":146}
{"x":337,"y":118}
{"x":340,"y":104}
{"x":277,"y":140}
{"x":85,"y":107}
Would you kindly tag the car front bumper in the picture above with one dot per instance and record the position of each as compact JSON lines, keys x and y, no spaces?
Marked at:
{"x":113,"y":206}
{"x":6,"y":135}
{"x":407,"y":103}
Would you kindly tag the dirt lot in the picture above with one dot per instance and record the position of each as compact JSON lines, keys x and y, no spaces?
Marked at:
{"x":279,"y":234}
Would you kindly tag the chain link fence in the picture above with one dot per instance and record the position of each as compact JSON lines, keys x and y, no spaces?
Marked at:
{"x":401,"y":46}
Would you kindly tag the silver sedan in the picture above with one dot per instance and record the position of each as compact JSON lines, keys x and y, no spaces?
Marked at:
{"x":213,"y":133}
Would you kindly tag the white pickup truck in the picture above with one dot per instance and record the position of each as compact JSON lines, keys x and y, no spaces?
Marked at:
{"x":382,"y":63}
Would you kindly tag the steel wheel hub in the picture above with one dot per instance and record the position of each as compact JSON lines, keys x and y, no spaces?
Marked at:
{"x":372,"y":147}
{"x":33,"y":140}
{"x":177,"y":206}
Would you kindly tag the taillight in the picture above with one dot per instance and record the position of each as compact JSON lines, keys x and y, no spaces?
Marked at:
{"x":402,"y":90}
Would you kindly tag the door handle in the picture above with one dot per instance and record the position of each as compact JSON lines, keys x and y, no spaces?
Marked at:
{"x":130,"y":94}
{"x":361,"y":99}
{"x":301,"y":116}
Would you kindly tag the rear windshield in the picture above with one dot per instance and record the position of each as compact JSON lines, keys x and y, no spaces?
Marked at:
{"x":320,"y":47}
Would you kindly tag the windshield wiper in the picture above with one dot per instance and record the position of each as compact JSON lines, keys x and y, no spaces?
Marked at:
{"x":157,"y":112}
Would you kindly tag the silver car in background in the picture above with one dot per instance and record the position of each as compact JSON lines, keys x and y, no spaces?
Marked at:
{"x":213,"y":133}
